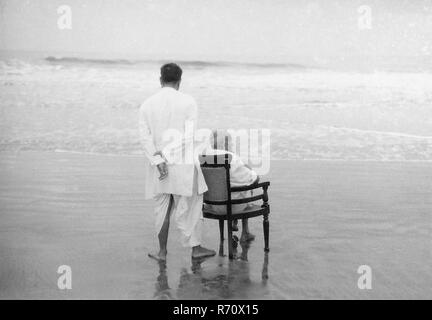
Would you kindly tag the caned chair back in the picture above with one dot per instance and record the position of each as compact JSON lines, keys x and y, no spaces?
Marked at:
{"x":215,"y":169}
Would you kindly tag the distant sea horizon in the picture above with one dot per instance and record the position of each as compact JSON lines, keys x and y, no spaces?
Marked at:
{"x":418,"y":63}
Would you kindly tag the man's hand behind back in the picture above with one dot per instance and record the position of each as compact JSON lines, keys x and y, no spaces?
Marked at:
{"x":163,"y":170}
{"x":162,"y":167}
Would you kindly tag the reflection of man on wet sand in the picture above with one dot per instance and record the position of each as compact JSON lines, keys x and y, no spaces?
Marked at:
{"x":175,"y":185}
{"x":214,"y":283}
{"x":163,"y":291}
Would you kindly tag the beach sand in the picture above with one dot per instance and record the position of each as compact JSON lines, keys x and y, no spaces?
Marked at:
{"x":327,"y":218}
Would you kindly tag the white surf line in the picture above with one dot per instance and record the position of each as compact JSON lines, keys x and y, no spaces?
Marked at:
{"x":389,"y":133}
{"x":354,"y":160}
{"x":329,"y":129}
{"x":255,"y":160}
{"x":99,"y":153}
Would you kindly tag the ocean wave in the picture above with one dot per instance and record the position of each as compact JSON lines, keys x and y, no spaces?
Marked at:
{"x":186,"y":63}
{"x":382,"y":133}
{"x":74,"y":60}
{"x":141,"y":154}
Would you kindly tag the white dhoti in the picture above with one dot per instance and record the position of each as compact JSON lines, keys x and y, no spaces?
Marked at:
{"x":186,"y":212}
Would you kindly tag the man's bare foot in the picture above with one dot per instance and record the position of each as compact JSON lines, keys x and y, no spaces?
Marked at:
{"x":246,"y":237}
{"x":161,"y":256}
{"x":201,"y":252}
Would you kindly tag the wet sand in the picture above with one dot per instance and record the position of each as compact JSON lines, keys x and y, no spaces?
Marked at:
{"x":327,"y":219}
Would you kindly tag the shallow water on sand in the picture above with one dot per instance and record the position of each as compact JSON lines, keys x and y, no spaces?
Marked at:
{"x":327,"y":219}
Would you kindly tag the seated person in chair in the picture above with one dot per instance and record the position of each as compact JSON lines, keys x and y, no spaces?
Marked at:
{"x":240,"y":175}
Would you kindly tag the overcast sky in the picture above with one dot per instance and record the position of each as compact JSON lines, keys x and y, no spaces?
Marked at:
{"x":271,"y":30}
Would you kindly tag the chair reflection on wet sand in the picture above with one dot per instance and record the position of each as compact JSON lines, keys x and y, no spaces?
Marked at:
{"x":215,"y":283}
{"x":216,"y":171}
{"x":225,"y":281}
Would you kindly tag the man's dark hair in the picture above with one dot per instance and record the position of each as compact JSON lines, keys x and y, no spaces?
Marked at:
{"x":171,"y":72}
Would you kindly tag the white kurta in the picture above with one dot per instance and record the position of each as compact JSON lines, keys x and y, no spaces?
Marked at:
{"x":166,"y":112}
{"x":166,"y":115}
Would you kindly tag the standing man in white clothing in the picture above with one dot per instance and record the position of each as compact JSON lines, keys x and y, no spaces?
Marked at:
{"x":174,"y":179}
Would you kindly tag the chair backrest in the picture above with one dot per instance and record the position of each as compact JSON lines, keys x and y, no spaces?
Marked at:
{"x":215,"y":169}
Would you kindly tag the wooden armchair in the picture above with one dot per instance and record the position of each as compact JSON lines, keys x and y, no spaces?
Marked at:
{"x":216,"y":171}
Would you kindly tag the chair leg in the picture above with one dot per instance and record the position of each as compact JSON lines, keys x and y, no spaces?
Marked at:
{"x":230,"y":240}
{"x":221,"y":232}
{"x":266,"y":225}
{"x":221,"y":229}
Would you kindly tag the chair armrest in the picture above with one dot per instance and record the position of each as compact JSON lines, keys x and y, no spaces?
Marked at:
{"x":263,"y":184}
